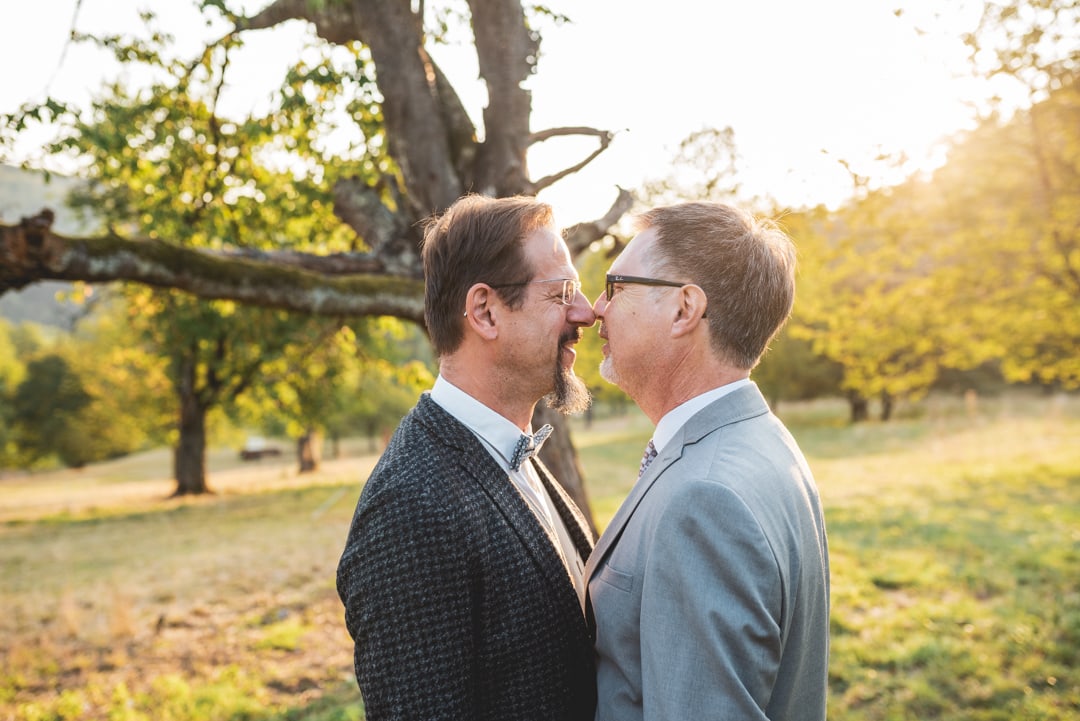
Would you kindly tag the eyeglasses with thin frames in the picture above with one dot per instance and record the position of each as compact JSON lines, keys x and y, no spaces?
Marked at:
{"x":570,"y":287}
{"x":612,"y":280}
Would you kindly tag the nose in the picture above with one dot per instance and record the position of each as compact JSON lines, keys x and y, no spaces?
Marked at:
{"x":581,"y":313}
{"x":600,"y":304}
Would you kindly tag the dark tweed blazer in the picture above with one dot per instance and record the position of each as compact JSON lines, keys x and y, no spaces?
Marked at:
{"x":458,"y":604}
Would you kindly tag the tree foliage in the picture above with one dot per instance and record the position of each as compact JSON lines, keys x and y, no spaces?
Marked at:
{"x":12,"y":372}
{"x":420,"y":151}
{"x":46,"y":406}
{"x":1031,"y":42}
{"x":356,"y":379}
{"x":791,"y":371}
{"x":164,"y":163}
{"x":864,"y":301}
{"x":82,"y":397}
{"x":978,"y":263}
{"x":1010,"y":198}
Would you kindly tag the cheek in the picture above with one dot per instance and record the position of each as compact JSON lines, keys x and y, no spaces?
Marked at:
{"x":623,"y":323}
{"x":629,"y":333}
{"x":547,"y":331}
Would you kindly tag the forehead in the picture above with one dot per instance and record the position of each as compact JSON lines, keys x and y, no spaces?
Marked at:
{"x":547,"y":252}
{"x":636,"y":256}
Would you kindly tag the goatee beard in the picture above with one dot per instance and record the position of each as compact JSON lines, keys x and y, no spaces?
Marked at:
{"x":571,"y":395}
{"x":607,"y":371}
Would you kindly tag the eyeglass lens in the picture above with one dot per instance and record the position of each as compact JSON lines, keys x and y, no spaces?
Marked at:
{"x":569,"y":291}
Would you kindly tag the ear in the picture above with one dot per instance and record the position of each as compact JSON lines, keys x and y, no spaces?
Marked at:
{"x":481,"y":311}
{"x":691,"y":310}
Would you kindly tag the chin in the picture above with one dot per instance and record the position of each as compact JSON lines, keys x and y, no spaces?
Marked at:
{"x":570,"y":395}
{"x":607,"y":371}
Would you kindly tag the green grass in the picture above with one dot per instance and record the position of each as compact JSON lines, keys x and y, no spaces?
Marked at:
{"x":956,"y":570}
{"x":954,"y":533}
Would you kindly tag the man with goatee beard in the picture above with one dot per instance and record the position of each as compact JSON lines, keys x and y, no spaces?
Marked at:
{"x":462,"y":573}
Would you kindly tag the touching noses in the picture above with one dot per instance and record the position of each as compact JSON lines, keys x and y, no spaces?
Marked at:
{"x":599,"y":306}
{"x":581,"y":313}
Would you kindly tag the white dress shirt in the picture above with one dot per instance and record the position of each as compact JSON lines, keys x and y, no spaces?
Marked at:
{"x":677,"y":417}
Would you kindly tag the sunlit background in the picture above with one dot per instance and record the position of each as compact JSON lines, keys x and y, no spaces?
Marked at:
{"x":930,"y":370}
{"x":806,"y":87}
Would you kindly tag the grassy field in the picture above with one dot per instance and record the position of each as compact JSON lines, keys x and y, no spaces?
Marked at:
{"x":954,"y":532}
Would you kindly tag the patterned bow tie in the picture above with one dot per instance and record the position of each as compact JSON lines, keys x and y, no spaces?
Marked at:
{"x":529,"y":446}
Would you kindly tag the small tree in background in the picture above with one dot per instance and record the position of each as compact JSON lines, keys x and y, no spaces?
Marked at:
{"x":46,"y":406}
{"x":792,"y":371}
{"x":12,"y":373}
{"x":338,"y":381}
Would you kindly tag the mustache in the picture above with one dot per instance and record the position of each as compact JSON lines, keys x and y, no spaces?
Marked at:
{"x":570,"y":335}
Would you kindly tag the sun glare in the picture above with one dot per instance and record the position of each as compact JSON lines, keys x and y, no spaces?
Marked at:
{"x":810,"y":90}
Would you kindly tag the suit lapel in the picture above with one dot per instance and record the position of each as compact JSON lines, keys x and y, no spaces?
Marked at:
{"x":671,"y":453}
{"x":473,"y":461}
{"x":571,"y":516}
{"x":743,"y":403}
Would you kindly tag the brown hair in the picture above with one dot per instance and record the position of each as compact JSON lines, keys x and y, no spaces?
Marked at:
{"x":477,"y":240}
{"x":745,"y":265}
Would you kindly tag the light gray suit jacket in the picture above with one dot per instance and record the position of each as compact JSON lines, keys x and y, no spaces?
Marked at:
{"x":709,"y":589}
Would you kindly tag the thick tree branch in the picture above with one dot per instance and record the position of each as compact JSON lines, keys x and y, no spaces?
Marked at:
{"x":605,"y":140}
{"x":336,"y":264}
{"x":335,"y":22}
{"x":30,"y":251}
{"x":394,"y":242}
{"x":541,"y":135}
{"x":579,"y":237}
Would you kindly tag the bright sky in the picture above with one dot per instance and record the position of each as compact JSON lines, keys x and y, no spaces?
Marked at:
{"x":803,"y":84}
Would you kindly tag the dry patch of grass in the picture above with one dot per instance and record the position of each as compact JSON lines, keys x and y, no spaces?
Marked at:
{"x":130,"y":606}
{"x":144,"y":480}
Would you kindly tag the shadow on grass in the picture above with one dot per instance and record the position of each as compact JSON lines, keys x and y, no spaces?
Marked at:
{"x":339,"y":704}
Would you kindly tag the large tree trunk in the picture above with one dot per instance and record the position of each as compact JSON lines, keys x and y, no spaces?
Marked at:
{"x":886,"y":406}
{"x":189,"y":460}
{"x":860,"y":408}
{"x":309,"y":451}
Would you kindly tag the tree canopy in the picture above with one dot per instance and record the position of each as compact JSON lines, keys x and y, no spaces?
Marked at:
{"x":272,"y":237}
{"x":196,"y":202}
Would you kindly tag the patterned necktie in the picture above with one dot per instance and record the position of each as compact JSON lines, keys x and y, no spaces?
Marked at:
{"x":529,"y":446}
{"x":647,"y":458}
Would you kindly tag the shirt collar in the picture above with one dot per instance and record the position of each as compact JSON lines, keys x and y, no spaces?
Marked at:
{"x":677,"y":417}
{"x":495,"y":430}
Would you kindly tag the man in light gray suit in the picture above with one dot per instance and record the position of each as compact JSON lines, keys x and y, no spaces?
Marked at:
{"x":709,"y":590}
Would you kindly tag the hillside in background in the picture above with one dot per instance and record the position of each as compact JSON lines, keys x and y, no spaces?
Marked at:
{"x":24,"y":193}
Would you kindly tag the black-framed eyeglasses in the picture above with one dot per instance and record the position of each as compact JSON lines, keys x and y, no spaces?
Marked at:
{"x":609,"y":289}
{"x":570,"y":287}
{"x":611,"y":280}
